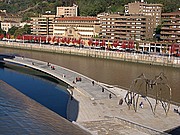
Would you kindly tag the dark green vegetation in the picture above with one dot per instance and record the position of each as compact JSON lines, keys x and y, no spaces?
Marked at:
{"x":86,"y":7}
{"x":2,"y":32}
{"x":15,"y":31}
{"x":21,"y":31}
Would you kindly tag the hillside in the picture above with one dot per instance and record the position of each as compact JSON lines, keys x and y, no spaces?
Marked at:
{"x":86,"y":7}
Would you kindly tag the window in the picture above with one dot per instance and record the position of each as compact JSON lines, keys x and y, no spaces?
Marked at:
{"x":70,"y":31}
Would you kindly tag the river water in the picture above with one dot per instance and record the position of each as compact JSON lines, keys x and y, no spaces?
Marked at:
{"x":108,"y":71}
{"x":40,"y":87}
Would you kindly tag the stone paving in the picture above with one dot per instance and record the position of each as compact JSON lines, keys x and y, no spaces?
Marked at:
{"x":95,"y":110}
{"x":20,"y":115}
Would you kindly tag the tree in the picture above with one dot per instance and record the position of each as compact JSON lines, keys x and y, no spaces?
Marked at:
{"x":21,"y":31}
{"x":158,"y":33}
{"x":158,"y":29}
{"x":18,"y":32}
{"x":137,"y":45}
{"x":12,"y":30}
{"x":86,"y":7}
{"x":27,"y":29}
{"x":2,"y":31}
{"x":27,"y":15}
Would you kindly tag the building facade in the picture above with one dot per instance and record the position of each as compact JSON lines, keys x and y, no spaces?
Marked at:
{"x":4,"y":16}
{"x":67,"y":11}
{"x":126,"y":27}
{"x":6,"y":25}
{"x":170,"y":30}
{"x":42,"y":25}
{"x":144,"y":8}
{"x":76,"y":27}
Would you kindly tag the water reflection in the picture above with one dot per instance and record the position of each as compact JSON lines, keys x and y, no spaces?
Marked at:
{"x":53,"y":95}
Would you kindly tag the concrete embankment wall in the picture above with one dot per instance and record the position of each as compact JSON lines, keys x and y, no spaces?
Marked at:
{"x":121,"y":56}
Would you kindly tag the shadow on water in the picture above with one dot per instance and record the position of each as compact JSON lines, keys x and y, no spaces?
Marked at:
{"x":175,"y":131}
{"x":1,"y":65}
{"x":72,"y":109}
{"x":30,"y":71}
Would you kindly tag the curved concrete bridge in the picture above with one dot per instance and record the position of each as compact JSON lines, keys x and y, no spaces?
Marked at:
{"x":93,"y":91}
{"x":98,"y":104}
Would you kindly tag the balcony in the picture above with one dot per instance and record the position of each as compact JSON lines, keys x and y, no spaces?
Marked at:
{"x":126,"y":25}
{"x":171,"y":24}
{"x":170,"y":29}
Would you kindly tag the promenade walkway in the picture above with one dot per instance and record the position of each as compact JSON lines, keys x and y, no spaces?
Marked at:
{"x":96,"y":106}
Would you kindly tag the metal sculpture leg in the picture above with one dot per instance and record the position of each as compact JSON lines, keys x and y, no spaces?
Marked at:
{"x":158,"y":85}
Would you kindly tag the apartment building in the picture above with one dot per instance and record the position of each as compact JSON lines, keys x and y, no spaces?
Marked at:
{"x":144,"y":8}
{"x":4,"y":16}
{"x":6,"y":25}
{"x":67,"y":11}
{"x":42,"y":25}
{"x":170,"y":30}
{"x":125,"y":27}
{"x":76,"y":27}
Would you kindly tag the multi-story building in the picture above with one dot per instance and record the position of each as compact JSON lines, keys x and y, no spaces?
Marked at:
{"x":144,"y":8}
{"x":4,"y":16}
{"x":67,"y":11}
{"x":42,"y":25}
{"x":126,"y":27}
{"x":76,"y":27}
{"x":170,"y":30}
{"x":6,"y":25}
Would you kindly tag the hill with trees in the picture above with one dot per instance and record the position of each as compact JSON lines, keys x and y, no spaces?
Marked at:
{"x":86,"y":7}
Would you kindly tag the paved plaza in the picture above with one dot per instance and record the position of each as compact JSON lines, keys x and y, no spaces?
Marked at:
{"x":95,"y":106}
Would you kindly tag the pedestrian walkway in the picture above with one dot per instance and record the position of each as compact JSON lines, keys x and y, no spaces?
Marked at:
{"x":69,"y":76}
{"x":98,"y":103}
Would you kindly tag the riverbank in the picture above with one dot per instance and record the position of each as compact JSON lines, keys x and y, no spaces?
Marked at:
{"x":102,"y":54}
{"x":96,"y":107}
